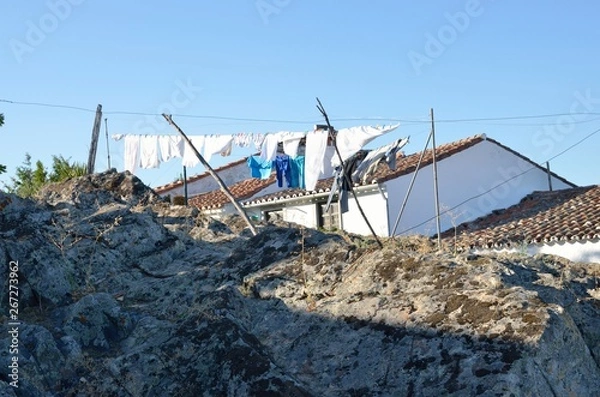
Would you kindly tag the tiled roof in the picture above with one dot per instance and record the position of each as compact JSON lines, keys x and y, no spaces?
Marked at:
{"x":241,"y":190}
{"x":408,"y":164}
{"x":562,"y":215}
{"x":194,"y":178}
{"x":324,"y":185}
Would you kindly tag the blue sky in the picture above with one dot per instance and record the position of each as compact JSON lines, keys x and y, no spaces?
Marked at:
{"x":369,"y":63}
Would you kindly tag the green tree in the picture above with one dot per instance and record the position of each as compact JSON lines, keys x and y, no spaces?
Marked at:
{"x":28,"y":181}
{"x":2,"y":167}
{"x":62,"y":169}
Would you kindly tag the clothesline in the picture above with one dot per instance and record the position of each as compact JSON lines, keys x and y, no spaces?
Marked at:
{"x":147,"y":151}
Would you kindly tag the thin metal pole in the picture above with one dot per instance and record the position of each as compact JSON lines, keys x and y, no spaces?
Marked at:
{"x":212,"y":172}
{"x":410,"y":186}
{"x":348,"y":181}
{"x":435,"y":185}
{"x":185,"y":187}
{"x":549,"y":175}
{"x":107,"y":145}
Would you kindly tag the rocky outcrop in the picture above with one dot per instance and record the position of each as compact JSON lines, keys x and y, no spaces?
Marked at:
{"x":122,"y":294}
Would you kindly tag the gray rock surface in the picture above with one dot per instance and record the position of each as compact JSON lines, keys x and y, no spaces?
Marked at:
{"x":122,"y":294}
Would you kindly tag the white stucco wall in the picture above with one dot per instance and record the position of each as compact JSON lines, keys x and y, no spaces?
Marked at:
{"x":305,"y":215}
{"x":301,"y":214}
{"x":577,"y":251}
{"x":374,"y":206}
{"x":461,"y":176}
{"x":207,"y":183}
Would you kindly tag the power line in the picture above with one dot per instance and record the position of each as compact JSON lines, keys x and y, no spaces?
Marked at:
{"x":311,"y":121}
{"x":49,"y":105}
{"x":573,"y":145}
{"x":212,"y":117}
{"x":540,"y":124}
{"x":524,"y":117}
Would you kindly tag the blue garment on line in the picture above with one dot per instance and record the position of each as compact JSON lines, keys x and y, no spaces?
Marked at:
{"x":259,"y":168}
{"x":297,"y":172}
{"x":283,"y":169}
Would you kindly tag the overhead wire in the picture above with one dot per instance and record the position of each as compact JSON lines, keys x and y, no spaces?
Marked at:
{"x":307,"y":121}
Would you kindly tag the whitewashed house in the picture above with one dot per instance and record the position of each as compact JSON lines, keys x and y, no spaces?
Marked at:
{"x":564,"y":223}
{"x":202,"y":183}
{"x":475,"y":176}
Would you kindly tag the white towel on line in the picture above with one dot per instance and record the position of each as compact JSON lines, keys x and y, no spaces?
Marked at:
{"x":351,"y":140}
{"x":131,"y":157}
{"x":171,"y":146}
{"x":291,"y":141}
{"x":316,"y":144}
{"x":149,"y":151}
{"x":189,"y":157}
{"x":214,"y":144}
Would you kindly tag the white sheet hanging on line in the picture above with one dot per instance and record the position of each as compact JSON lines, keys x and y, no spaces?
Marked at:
{"x":351,"y":140}
{"x":291,"y":140}
{"x":189,"y":157}
{"x":242,"y":139}
{"x":258,"y":139}
{"x":149,"y":151}
{"x":171,"y":146}
{"x":214,"y":144}
{"x":131,"y":158}
{"x":268,"y":150}
{"x":316,"y":144}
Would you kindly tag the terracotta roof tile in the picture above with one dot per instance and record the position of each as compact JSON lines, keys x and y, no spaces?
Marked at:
{"x":241,"y":190}
{"x":193,"y":178}
{"x":561,"y":215}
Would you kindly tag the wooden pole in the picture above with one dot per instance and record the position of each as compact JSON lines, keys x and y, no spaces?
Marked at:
{"x":107,"y":145}
{"x":348,"y":181}
{"x":435,"y":185}
{"x":212,"y":172}
{"x":94,"y":145}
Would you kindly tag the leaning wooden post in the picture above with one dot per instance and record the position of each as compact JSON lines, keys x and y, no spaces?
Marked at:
{"x":220,"y":182}
{"x":94,"y":145}
{"x":348,"y":181}
{"x":435,"y":185}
